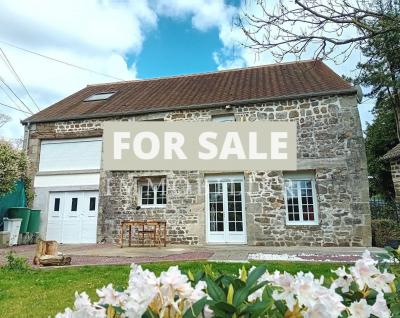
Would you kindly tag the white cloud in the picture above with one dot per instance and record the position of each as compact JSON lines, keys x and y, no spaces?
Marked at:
{"x":99,"y":35}
{"x":94,"y":34}
{"x":205,"y":14}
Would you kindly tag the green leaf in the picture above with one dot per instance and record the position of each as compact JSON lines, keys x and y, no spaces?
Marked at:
{"x":225,"y":307}
{"x":195,"y":310}
{"x":240,"y":296}
{"x":215,"y":292}
{"x":255,"y":310}
{"x":257,"y":287}
{"x":198,"y":276}
{"x":255,"y":275}
{"x":149,"y":314}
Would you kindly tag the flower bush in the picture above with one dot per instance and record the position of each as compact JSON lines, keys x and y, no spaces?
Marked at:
{"x":367,"y":289}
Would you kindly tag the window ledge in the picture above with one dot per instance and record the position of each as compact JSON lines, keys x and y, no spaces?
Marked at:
{"x":153,"y":206}
{"x":303,"y":226}
{"x":66,"y":172}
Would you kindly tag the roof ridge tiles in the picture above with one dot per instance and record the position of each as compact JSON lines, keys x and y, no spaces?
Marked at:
{"x":205,"y":73}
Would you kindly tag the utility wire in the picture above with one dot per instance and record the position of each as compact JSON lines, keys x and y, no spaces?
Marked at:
{"x":20,"y":110}
{"x":60,"y":61}
{"x":9,"y":96}
{"x":11,"y":90}
{"x":8,"y":63}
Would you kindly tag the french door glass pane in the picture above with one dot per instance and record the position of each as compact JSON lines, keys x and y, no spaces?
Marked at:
{"x":216,"y":207}
{"x":235,"y":207}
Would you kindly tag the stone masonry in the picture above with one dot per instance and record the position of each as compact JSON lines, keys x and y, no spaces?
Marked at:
{"x":330,"y":145}
{"x":395,"y":171}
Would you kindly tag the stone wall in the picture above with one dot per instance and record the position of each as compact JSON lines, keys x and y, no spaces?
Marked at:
{"x":330,"y":145}
{"x":395,"y":171}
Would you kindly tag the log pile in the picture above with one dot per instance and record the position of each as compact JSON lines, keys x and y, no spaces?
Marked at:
{"x":47,"y":254}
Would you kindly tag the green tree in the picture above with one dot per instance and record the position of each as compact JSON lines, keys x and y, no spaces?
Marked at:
{"x":381,"y":70}
{"x":13,"y":167}
{"x":380,"y":138}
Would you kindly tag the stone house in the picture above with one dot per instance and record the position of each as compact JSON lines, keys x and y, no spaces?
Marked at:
{"x":393,"y":157}
{"x":324,"y":203}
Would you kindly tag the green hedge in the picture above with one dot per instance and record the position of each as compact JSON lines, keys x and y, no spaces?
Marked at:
{"x":384,"y":231}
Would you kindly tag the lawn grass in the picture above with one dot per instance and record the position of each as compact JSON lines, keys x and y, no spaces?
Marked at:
{"x":44,"y":292}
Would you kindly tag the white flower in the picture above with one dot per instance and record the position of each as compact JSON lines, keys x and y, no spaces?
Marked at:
{"x":343,"y":281}
{"x":360,"y":309}
{"x":81,"y":301}
{"x":306,"y":288}
{"x":286,"y":282}
{"x":173,"y":283}
{"x":142,"y":288}
{"x":381,"y":282}
{"x":109,"y":296}
{"x":380,"y":308}
{"x":317,"y":311}
{"x":175,"y":280}
{"x":198,"y":292}
{"x":331,"y":300}
{"x":68,"y":313}
{"x":83,"y":308}
{"x":364,"y":269}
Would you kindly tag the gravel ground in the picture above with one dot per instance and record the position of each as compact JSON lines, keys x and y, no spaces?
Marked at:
{"x":334,"y":258}
{"x":107,"y":260}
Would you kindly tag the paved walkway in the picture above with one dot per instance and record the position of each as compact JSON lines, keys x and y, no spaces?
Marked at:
{"x":112,"y":254}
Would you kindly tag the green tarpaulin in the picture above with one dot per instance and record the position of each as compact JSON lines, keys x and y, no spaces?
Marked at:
{"x":16,"y":198}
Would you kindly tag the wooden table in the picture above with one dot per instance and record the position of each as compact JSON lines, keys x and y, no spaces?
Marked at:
{"x":142,"y":229}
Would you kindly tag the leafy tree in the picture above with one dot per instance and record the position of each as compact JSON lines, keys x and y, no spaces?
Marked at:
{"x":13,"y":167}
{"x":380,"y":138}
{"x":381,"y":70}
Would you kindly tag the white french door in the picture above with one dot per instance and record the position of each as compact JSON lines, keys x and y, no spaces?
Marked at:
{"x":225,"y":210}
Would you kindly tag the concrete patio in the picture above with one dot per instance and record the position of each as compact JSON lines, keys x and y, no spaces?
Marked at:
{"x":85,"y":254}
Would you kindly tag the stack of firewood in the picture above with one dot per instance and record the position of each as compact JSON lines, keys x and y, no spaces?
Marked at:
{"x":47,"y":254}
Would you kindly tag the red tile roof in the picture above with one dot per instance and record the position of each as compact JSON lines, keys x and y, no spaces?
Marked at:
{"x":237,"y":86}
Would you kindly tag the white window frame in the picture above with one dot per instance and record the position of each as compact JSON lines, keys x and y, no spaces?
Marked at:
{"x":154,"y":185}
{"x":297,"y":178}
{"x":99,"y":96}
{"x":223,"y":118}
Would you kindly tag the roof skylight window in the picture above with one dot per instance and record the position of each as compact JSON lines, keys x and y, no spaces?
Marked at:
{"x":99,"y":96}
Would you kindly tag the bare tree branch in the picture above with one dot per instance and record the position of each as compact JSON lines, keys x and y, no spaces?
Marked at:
{"x":332,"y":29}
{"x":4,"y":119}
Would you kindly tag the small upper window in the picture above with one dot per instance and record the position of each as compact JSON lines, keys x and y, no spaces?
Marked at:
{"x":223,"y":118}
{"x":99,"y":96}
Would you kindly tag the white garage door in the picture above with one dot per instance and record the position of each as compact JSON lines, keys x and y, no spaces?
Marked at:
{"x":72,"y":217}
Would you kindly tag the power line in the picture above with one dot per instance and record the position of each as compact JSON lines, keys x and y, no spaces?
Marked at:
{"x":8,"y":63}
{"x":20,"y":110}
{"x":11,"y":90}
{"x":9,"y":96}
{"x":60,"y":61}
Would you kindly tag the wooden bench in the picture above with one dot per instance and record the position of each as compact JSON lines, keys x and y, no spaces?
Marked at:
{"x":155,"y":230}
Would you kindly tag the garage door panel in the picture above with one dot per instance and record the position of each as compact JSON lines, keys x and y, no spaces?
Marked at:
{"x":89,"y":231}
{"x":54,"y":230}
{"x":71,"y":232}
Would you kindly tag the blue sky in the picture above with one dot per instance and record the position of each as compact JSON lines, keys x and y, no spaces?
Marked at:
{"x":127,"y":39}
{"x":177,"y":48}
